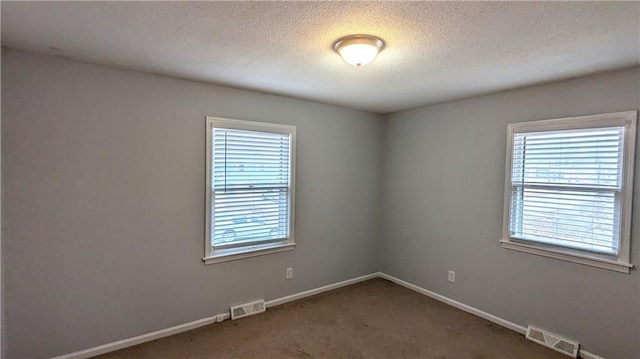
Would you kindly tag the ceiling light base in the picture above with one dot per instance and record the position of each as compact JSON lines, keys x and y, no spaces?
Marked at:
{"x":358,"y":50}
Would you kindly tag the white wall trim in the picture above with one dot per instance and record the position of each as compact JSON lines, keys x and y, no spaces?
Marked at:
{"x":469,"y":309}
{"x":129,"y":342}
{"x":567,"y":255}
{"x":588,"y":355}
{"x":475,"y":311}
{"x":308,"y":293}
{"x":125,"y":343}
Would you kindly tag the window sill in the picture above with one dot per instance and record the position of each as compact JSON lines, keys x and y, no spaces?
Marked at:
{"x":567,"y":255}
{"x":226,"y":255}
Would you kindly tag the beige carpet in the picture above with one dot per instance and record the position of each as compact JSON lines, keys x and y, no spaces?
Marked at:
{"x":373,"y":319}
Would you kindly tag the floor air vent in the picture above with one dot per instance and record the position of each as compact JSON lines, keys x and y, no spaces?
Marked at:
{"x":247,"y":309}
{"x":553,"y":341}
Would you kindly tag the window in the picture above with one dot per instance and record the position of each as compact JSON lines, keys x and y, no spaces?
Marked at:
{"x":250,"y":189}
{"x":569,"y":188}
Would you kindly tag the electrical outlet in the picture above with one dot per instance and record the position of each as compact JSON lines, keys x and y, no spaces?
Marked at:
{"x":452,"y":276}
{"x":289,"y":273}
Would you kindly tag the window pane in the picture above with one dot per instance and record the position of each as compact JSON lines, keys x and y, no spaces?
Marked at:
{"x":591,"y":157}
{"x":566,"y":187}
{"x":250,"y":187}
{"x":577,"y":219}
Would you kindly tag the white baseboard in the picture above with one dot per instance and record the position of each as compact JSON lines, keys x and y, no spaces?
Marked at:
{"x":308,"y":293}
{"x":129,"y":342}
{"x":475,"y":311}
{"x":588,"y":355}
{"x":125,"y":343}
{"x":469,"y":309}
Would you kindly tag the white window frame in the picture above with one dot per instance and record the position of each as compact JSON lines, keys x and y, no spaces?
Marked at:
{"x":223,"y":255}
{"x":620,"y":262}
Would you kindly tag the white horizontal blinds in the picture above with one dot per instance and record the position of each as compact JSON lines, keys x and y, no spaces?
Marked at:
{"x":566,"y":188}
{"x":250,"y":177}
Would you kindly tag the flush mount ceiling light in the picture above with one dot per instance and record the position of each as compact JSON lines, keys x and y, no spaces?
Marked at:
{"x":358,"y":50}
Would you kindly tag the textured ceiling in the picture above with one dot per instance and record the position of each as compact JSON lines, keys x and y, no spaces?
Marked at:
{"x":435,"y":51}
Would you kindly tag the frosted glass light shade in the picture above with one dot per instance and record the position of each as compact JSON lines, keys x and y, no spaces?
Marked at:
{"x":358,"y":50}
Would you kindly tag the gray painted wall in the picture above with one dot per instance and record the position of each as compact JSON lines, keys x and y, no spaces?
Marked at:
{"x":103,"y":208}
{"x":3,"y":332}
{"x":104,"y":202}
{"x":443,"y":197}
